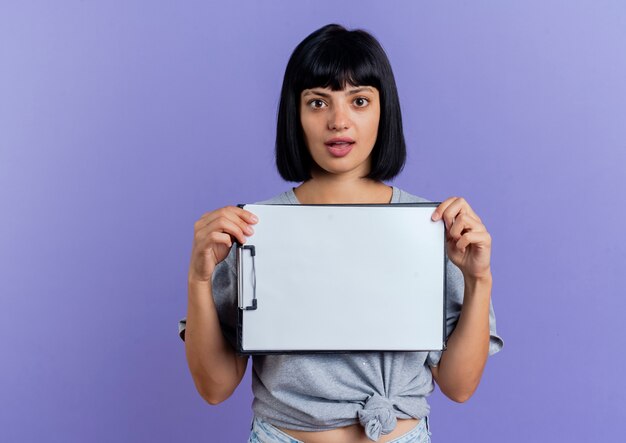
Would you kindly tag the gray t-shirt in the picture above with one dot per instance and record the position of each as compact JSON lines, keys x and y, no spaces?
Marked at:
{"x":316,"y":392}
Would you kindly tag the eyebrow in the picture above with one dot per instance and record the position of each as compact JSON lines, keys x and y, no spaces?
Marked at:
{"x":350,"y":92}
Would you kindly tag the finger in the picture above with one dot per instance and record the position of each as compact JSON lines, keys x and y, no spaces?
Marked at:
{"x":465,"y":222}
{"x":466,"y":208}
{"x":216,"y":238}
{"x":248,"y":216}
{"x":453,"y":202}
{"x":234,"y":211}
{"x":226,"y":225}
{"x":451,"y":211}
{"x":458,"y":206}
{"x":236,"y":214}
{"x":441,"y":208}
{"x":472,"y":213}
{"x":211,"y":240}
{"x":480,"y":239}
{"x":231,"y":226}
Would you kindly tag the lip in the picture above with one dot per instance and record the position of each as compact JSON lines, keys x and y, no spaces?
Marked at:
{"x":341,"y":150}
{"x":339,"y":140}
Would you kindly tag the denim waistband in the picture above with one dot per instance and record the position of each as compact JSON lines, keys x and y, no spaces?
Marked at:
{"x":262,"y":431}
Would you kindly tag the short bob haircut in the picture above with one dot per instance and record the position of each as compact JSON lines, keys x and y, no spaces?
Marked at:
{"x":332,"y":57}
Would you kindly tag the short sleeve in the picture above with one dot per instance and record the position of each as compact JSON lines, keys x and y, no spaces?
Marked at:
{"x":182,"y":325}
{"x":455,"y":287}
{"x":224,"y":288}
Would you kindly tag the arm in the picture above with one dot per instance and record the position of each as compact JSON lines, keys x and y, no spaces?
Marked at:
{"x":215,"y":366}
{"x":461,"y":366}
{"x":468,"y":245}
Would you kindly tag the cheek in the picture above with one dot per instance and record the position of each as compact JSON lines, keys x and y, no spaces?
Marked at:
{"x":372,"y":126}
{"x":308,"y":127}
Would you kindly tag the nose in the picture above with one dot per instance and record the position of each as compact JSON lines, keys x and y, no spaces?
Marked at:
{"x":338,"y":119}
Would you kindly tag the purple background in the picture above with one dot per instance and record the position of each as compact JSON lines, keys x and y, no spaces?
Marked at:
{"x":122,"y":122}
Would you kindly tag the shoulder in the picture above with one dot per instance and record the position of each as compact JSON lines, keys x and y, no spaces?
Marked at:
{"x":282,"y":198}
{"x":407,"y":197}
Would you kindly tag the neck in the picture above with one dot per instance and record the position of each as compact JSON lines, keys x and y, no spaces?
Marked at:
{"x":342,"y":190}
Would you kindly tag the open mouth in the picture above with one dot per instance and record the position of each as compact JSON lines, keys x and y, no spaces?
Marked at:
{"x":339,"y":149}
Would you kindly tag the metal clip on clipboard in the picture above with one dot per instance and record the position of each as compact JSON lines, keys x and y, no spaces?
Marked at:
{"x":242,"y":270}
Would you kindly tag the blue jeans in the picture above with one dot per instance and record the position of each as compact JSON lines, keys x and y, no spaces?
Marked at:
{"x":264,"y":432}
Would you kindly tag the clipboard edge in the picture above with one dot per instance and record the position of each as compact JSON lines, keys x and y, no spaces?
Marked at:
{"x":242,"y":352}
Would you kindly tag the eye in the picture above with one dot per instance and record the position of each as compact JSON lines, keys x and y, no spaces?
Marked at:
{"x":361,"y":102}
{"x":316,"y":103}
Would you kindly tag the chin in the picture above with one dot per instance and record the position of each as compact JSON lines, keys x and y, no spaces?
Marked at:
{"x":341,"y":165}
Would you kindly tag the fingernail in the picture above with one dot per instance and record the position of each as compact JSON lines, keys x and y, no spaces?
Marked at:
{"x":435,"y":216}
{"x":254,"y":218}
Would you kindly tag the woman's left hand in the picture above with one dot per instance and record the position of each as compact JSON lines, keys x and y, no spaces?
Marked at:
{"x":468,"y":243}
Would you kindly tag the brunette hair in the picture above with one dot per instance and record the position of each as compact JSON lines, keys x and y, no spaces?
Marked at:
{"x":333,"y":57}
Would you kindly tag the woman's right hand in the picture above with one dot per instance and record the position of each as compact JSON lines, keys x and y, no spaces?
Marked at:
{"x":213,"y":237}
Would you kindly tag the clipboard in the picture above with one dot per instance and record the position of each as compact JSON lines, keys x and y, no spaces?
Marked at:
{"x":342,"y":278}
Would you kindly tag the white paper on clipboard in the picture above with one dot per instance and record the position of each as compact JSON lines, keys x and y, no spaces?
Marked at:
{"x":340,"y":278}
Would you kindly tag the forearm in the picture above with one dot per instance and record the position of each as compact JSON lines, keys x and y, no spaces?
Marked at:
{"x":462,"y":364}
{"x":215,"y":367}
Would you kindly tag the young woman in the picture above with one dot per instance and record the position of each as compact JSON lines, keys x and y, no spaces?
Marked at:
{"x":339,"y":132}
